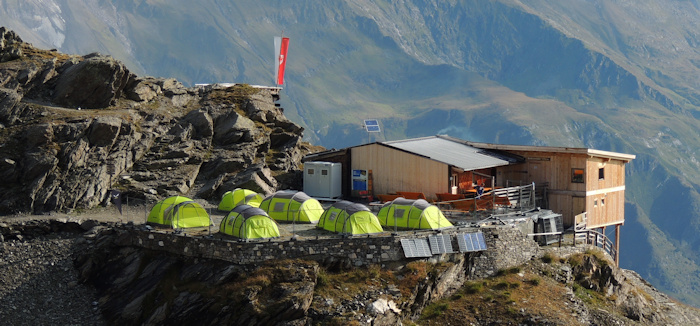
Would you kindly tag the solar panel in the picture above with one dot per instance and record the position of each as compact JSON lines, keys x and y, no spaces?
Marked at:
{"x":469,"y":242}
{"x":413,"y":248}
{"x":440,"y":244}
{"x":372,"y":125}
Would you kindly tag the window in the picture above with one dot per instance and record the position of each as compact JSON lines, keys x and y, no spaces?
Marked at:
{"x":595,"y":203}
{"x":577,"y":175}
{"x":398,"y":212}
{"x":602,"y":202}
{"x":310,"y":171}
{"x":324,"y":172}
{"x":280,"y":207}
{"x":333,"y":216}
{"x":601,"y":174}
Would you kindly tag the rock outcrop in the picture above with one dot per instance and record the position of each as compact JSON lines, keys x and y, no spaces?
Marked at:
{"x":73,"y":127}
{"x":97,"y":279}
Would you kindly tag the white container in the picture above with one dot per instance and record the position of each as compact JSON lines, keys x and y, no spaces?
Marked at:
{"x":323,"y":179}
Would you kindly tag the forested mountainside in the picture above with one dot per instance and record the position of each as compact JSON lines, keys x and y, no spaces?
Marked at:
{"x":610,"y":75}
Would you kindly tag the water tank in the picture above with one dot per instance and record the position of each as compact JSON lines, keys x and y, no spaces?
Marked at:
{"x":323,"y":179}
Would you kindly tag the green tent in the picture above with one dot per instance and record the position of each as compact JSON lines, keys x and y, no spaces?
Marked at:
{"x":248,"y":222}
{"x":412,"y":214}
{"x":346,"y":217}
{"x":179,"y":212}
{"x":292,"y":206}
{"x":239,"y":196}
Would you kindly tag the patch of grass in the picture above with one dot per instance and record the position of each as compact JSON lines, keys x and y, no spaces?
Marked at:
{"x":600,"y":257}
{"x":473,"y":287}
{"x":347,"y":283}
{"x":435,"y":309}
{"x":502,"y":285}
{"x":548,"y":258}
{"x":535,"y":281}
{"x":503,"y":296}
{"x":588,"y":296}
{"x":575,"y":260}
{"x":322,"y":279}
{"x":374,"y":271}
{"x":507,"y":271}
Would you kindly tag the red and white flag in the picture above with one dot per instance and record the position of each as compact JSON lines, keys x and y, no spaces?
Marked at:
{"x":281,"y":45}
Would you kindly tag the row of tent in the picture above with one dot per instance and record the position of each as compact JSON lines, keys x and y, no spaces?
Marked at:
{"x":252,"y":217}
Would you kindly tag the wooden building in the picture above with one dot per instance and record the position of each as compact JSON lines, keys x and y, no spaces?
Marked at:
{"x":427,"y":165}
{"x":573,"y":180}
{"x":577,"y":180}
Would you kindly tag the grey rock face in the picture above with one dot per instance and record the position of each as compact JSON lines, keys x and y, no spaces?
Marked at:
{"x":75,"y":127}
{"x":95,"y":82}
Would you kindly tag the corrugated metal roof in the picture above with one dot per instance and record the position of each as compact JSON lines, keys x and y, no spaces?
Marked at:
{"x":451,"y":152}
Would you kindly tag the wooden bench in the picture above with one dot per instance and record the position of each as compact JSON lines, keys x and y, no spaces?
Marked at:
{"x":388,"y":197}
{"x":444,"y":196}
{"x":411,"y":195}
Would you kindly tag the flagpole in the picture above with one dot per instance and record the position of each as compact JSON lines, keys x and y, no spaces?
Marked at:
{"x":277,"y":79}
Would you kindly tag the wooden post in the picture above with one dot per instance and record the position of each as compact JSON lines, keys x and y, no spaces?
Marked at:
{"x":560,"y":236}
{"x":596,"y":240}
{"x":617,"y":245}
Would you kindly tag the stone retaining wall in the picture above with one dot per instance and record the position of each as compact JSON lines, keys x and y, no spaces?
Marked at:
{"x":507,"y":246}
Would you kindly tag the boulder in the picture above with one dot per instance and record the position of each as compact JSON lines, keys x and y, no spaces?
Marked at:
{"x":104,"y":131}
{"x":9,"y":106}
{"x":38,"y":135}
{"x":233,"y":128}
{"x":256,"y":178}
{"x":95,"y":82}
{"x":202,"y":123}
{"x":143,"y":89}
{"x":8,"y":45}
{"x":37,"y":165}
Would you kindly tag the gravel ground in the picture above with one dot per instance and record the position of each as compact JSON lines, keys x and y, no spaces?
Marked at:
{"x":39,"y":284}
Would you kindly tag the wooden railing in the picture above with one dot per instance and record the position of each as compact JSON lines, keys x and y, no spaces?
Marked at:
{"x":511,"y":198}
{"x":520,"y":197}
{"x":597,"y":239}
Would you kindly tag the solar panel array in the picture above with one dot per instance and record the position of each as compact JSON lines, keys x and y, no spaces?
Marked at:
{"x":413,"y":248}
{"x":440,"y":244}
{"x":469,"y":242}
{"x":372,"y":125}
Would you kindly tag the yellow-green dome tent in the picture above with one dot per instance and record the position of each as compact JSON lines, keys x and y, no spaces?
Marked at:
{"x":412,"y":214}
{"x":346,"y":217}
{"x":179,"y":212}
{"x":292,"y":206}
{"x":248,"y":222}
{"x":239,"y":196}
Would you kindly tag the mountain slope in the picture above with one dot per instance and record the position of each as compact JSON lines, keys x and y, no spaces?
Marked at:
{"x":610,"y":75}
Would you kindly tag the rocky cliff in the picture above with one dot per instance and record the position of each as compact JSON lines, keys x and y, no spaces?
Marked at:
{"x":97,"y":280}
{"x":74,"y":127}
